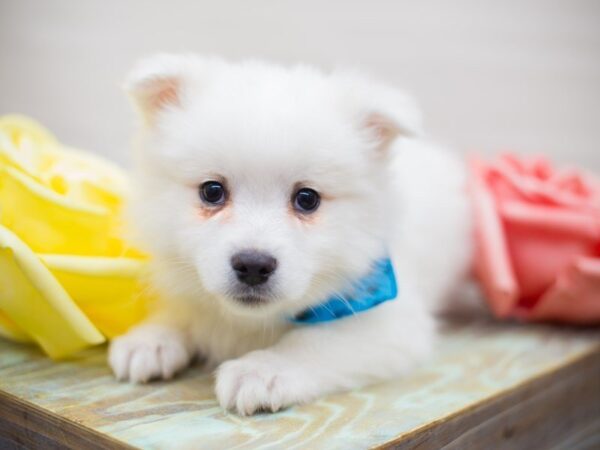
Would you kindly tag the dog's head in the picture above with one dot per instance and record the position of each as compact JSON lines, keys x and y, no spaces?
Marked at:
{"x":267,"y":187}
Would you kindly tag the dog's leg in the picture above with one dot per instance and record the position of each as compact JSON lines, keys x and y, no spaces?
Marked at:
{"x":319,"y":359}
{"x":150,"y":351}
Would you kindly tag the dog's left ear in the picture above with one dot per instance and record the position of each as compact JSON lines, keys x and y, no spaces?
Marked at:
{"x":382,"y":112}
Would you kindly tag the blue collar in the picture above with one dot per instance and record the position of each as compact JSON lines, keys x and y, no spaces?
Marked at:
{"x":376,"y":287}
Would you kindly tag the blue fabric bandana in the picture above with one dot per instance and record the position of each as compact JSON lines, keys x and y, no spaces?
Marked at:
{"x":376,"y":287}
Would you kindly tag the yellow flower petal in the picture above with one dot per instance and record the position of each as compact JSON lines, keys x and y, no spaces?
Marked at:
{"x":86,"y":178}
{"x":82,"y":177}
{"x":109,"y":290}
{"x":49,"y":222}
{"x":35,"y":301}
{"x":66,"y":205}
{"x":11,"y":330}
{"x":25,"y":144}
{"x":22,"y":128}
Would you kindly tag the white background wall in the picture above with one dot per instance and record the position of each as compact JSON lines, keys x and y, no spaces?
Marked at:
{"x":490,"y":75}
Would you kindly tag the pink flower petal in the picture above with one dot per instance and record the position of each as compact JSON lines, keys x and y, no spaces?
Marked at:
{"x":580,"y":224}
{"x":574,"y":297}
{"x":537,"y":239}
{"x":492,"y":263}
{"x":532,"y":186}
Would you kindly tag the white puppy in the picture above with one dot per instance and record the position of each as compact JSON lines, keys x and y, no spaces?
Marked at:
{"x":263,"y":191}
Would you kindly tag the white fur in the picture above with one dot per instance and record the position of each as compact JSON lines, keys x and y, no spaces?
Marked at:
{"x":265,"y":128}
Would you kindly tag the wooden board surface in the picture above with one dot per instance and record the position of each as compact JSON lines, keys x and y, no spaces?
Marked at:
{"x":487,"y":383}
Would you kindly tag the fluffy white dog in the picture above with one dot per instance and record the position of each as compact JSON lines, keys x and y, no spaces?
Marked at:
{"x":262,"y":192}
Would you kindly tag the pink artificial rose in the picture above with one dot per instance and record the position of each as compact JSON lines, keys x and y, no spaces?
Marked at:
{"x":538,"y":240}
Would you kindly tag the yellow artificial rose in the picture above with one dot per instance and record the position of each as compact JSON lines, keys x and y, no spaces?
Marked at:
{"x":67,"y":278}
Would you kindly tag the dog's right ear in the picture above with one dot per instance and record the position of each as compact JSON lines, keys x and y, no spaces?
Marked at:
{"x":158,"y":84}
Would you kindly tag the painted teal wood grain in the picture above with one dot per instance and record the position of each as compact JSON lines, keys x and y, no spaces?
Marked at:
{"x":474,"y":363}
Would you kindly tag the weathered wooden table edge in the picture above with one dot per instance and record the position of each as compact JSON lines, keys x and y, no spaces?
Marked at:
{"x":23,"y":423}
{"x":524,"y":416}
{"x":518,"y":417}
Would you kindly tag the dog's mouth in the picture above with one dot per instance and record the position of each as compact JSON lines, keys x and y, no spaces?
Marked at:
{"x":252,"y":300}
{"x":251,"y":297}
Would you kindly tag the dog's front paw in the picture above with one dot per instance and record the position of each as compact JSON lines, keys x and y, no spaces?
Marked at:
{"x":260,"y":381}
{"x":149,"y":352}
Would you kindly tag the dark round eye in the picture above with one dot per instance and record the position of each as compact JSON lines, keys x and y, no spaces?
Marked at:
{"x":306,"y":200}
{"x":213,"y":193}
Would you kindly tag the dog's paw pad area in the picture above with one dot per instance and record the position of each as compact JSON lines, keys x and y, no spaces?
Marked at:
{"x":258,"y":382}
{"x":147,"y":354}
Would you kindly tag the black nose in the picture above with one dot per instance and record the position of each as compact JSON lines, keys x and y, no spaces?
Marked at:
{"x":253,"y":267}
